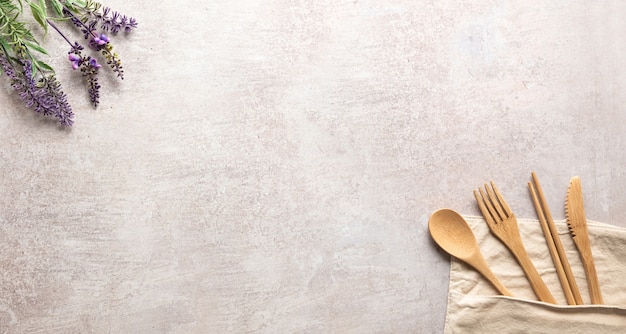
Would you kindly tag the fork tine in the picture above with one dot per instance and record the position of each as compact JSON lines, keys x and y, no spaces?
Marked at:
{"x":493,"y":213}
{"x":495,"y":200}
{"x":505,"y":206}
{"x":483,"y":208}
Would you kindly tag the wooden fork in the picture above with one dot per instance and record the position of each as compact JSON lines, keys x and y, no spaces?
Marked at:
{"x":503,"y":225}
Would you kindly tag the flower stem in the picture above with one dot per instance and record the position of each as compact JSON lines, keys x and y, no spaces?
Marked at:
{"x":60,"y":33}
{"x":76,"y":19}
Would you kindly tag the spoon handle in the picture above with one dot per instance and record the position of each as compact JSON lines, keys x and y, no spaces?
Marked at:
{"x":480,"y":264}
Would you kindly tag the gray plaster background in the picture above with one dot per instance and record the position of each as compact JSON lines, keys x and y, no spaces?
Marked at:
{"x":270,"y":166}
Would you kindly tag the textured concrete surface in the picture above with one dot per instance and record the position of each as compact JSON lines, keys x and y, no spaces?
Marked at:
{"x":270,"y":166}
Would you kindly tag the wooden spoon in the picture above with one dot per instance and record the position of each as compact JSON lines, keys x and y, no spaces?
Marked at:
{"x":452,"y":233}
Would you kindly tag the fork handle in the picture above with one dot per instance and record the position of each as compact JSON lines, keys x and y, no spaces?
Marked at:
{"x":536,"y":282}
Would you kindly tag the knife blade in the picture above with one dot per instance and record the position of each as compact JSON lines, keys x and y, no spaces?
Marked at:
{"x":577,"y":223}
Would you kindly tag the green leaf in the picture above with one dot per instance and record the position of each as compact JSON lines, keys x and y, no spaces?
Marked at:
{"x":42,"y":4}
{"x":21,"y":6}
{"x":39,"y":14}
{"x":81,"y":3}
{"x":57,"y":6}
{"x":5,"y":47}
{"x":71,"y":4}
{"x":36,"y":47}
{"x":42,"y":65}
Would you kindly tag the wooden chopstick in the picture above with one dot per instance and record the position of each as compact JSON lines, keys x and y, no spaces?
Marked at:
{"x":563,"y":269}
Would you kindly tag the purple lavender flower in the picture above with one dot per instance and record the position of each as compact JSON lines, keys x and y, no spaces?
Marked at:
{"x":29,"y":92}
{"x":104,"y":17}
{"x":75,"y":59}
{"x":94,"y":63}
{"x":114,"y":62}
{"x":114,"y":21}
{"x":132,"y":24}
{"x":44,"y":96}
{"x":62,"y":109}
{"x":88,"y":67}
{"x":94,"y":89}
{"x":101,"y":40}
{"x":7,"y":68}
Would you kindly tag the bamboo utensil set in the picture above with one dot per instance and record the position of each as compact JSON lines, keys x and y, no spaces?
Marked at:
{"x":451,"y":232}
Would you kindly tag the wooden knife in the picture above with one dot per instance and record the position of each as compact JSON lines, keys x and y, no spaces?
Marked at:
{"x":575,"y":214}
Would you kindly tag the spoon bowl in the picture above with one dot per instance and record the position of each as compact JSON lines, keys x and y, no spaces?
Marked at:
{"x":452,"y":233}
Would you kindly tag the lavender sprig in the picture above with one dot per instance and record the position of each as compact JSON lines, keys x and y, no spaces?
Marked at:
{"x":100,"y":42}
{"x":44,"y":96}
{"x":34,"y":97}
{"x":7,"y":67}
{"x":89,"y":68}
{"x":62,"y":109}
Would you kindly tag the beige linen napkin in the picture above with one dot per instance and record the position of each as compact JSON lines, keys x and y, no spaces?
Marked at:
{"x":474,"y":306}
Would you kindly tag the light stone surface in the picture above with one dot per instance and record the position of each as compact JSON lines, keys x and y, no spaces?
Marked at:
{"x":270,"y":166}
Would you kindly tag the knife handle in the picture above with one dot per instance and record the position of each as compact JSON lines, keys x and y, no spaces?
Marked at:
{"x":592,"y":280}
